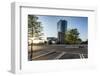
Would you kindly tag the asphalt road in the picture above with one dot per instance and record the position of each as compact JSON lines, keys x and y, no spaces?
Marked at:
{"x":53,"y":52}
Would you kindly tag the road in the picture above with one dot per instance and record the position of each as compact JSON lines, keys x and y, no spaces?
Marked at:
{"x":54,"y":52}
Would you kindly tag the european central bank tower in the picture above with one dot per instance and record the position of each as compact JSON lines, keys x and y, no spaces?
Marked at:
{"x":62,"y":29}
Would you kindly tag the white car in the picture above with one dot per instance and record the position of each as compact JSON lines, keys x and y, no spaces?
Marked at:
{"x":37,"y":40}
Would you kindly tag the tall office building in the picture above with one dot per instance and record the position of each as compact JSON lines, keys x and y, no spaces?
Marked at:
{"x":62,"y":28}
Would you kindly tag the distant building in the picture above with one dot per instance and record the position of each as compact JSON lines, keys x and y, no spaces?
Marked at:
{"x":62,"y":28}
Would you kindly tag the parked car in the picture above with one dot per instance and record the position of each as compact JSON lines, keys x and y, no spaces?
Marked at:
{"x":37,"y":40}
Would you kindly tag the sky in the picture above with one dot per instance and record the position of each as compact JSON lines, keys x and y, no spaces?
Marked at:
{"x":49,"y":24}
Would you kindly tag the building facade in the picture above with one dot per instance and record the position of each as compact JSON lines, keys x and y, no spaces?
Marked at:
{"x":62,"y":28}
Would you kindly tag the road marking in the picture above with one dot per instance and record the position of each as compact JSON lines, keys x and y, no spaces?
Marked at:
{"x":60,"y":55}
{"x":81,"y":56}
{"x":42,"y":55}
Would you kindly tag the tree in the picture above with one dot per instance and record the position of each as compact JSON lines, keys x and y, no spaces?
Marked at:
{"x":34,"y":27}
{"x":85,"y":42}
{"x":72,"y":37}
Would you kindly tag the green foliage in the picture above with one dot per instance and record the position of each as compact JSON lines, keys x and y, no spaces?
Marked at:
{"x":85,"y":42}
{"x":72,"y":37}
{"x":34,"y":27}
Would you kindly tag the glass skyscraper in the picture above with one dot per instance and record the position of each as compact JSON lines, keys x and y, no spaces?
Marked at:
{"x":62,"y":28}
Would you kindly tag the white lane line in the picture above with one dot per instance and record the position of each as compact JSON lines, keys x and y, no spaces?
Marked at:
{"x":81,"y":56}
{"x":42,"y":55}
{"x":60,"y":55}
